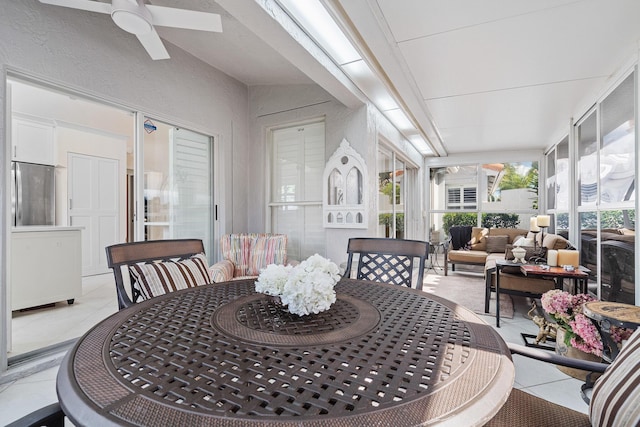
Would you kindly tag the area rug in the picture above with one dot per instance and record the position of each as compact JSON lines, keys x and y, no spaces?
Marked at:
{"x":467,"y":289}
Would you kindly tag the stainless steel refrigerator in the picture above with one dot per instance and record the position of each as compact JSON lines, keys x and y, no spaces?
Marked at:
{"x":32,"y":194}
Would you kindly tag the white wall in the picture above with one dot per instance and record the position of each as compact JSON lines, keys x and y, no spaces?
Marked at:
{"x":85,"y":52}
{"x":272,"y":106}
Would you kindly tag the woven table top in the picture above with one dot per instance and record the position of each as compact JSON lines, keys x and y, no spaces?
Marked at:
{"x":223,"y":355}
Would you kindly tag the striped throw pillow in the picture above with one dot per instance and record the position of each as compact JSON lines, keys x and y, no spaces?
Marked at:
{"x":616,"y":395}
{"x":159,"y":278}
{"x":221,"y":271}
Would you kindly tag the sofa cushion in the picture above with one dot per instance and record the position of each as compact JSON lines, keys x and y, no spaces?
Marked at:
{"x":469,"y":257}
{"x":617,"y":392}
{"x":478,"y":240}
{"x":158,"y":278}
{"x":513,"y":233}
{"x":497,"y":243}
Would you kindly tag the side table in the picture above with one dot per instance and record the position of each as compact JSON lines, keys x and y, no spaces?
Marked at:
{"x":579,"y":275}
{"x":434,"y":249}
{"x":604,"y":315}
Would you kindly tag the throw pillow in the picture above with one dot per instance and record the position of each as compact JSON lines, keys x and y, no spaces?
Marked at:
{"x":617,"y":392}
{"x":478,"y":240}
{"x":497,"y":243}
{"x":221,"y":271}
{"x":158,"y":278}
{"x":523,"y":241}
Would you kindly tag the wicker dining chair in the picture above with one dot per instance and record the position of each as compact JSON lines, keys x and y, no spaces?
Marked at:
{"x":387,"y":260}
{"x":614,"y":400}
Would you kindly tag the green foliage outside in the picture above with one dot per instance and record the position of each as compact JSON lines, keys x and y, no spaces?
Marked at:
{"x":608,"y":219}
{"x":387,"y":189}
{"x":386,"y":219}
{"x":513,"y":180}
{"x":489,"y":220}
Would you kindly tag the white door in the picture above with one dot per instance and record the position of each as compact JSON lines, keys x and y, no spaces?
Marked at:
{"x":93,"y":204}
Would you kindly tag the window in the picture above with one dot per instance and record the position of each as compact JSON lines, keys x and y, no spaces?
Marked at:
{"x":606,"y":145}
{"x":297,"y":165}
{"x":461,"y":198}
{"x":397,"y":198}
{"x":489,"y":195}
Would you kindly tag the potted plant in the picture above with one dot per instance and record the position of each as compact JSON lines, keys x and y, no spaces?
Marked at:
{"x":576,"y":336}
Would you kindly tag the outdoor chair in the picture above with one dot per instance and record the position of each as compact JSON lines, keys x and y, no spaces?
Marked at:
{"x":245,"y":254}
{"x":614,"y":400}
{"x":49,"y":416}
{"x":387,"y":260}
{"x":157,"y":267}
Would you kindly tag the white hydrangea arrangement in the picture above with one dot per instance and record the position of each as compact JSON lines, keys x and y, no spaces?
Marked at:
{"x":306,"y":288}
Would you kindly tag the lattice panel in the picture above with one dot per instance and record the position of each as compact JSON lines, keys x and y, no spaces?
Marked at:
{"x":172,"y":353}
{"x":383,"y":268}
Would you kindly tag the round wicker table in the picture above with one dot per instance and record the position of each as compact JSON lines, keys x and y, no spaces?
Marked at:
{"x":223,"y":355}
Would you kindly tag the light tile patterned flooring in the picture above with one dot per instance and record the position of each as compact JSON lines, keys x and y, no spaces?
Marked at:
{"x":22,"y":396}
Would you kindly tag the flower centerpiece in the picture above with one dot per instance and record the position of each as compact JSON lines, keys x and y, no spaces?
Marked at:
{"x":304,"y":289}
{"x":580,"y":332}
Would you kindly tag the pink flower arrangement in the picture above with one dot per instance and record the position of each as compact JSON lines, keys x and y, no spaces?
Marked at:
{"x":581,"y":333}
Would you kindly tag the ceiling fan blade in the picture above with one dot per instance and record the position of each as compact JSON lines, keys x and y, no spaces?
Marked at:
{"x":188,"y":19}
{"x":92,"y":6}
{"x":153,"y":44}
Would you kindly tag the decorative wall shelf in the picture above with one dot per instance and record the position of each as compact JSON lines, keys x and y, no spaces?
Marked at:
{"x":344,"y":195}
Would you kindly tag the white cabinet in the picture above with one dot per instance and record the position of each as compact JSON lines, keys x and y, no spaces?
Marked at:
{"x":46,"y":266}
{"x":32,"y":141}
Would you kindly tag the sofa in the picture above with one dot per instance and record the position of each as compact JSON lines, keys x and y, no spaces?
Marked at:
{"x":245,"y":254}
{"x":486,"y":245}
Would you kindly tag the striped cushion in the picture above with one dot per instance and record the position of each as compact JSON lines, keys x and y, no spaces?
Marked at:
{"x":221,"y":271}
{"x":616,"y":395}
{"x":251,"y":252}
{"x":158,"y":278}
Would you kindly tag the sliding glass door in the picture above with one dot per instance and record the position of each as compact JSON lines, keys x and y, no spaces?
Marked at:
{"x":177,"y":184}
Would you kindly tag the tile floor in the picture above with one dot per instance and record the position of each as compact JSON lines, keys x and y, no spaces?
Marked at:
{"x":535,"y":377}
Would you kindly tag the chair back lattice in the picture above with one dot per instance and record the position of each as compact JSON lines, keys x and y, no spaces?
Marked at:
{"x":387,"y":260}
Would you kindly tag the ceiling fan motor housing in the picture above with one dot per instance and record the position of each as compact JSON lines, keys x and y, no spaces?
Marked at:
{"x":132,"y":16}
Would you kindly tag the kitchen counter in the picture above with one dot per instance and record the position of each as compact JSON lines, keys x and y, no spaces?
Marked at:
{"x":46,"y":265}
{"x":39,"y":228}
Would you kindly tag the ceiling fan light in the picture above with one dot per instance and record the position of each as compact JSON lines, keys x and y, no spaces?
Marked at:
{"x":133,"y":18}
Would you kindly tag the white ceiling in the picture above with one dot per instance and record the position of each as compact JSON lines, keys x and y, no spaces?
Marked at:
{"x":475,"y":75}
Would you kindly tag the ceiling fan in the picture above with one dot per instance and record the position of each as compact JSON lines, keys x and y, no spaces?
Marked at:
{"x":138,"y":18}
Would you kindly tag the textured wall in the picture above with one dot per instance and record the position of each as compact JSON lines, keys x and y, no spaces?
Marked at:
{"x":85,"y":51}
